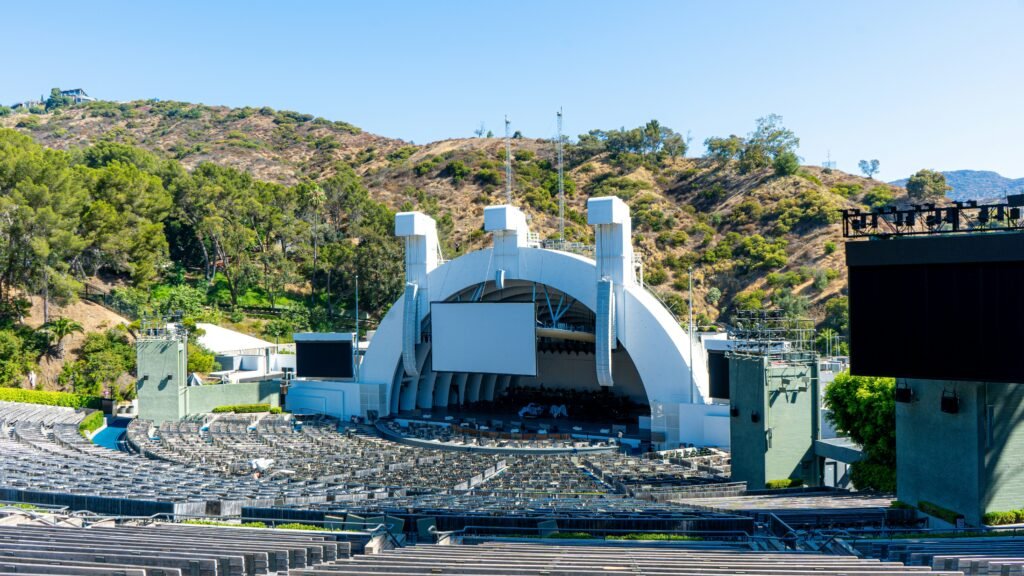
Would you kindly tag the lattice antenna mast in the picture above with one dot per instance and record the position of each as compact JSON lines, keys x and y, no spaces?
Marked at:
{"x":508,"y":163}
{"x":561,"y":183}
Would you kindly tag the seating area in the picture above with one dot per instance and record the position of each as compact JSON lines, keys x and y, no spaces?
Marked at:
{"x":310,"y":449}
{"x":1000,"y":555}
{"x":501,"y":559}
{"x":44,"y":452}
{"x":490,"y":435}
{"x":166,"y":550}
{"x":546,"y":474}
{"x":631,"y":475}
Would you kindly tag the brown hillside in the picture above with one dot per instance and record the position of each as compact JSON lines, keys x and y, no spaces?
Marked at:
{"x":740,"y":232}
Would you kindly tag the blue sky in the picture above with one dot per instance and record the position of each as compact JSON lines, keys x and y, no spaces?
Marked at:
{"x":916,"y":84}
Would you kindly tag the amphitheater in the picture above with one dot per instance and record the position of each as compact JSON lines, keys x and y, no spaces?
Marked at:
{"x":392,"y":508}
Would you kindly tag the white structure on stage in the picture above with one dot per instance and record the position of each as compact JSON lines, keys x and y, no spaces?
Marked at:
{"x":638,"y":347}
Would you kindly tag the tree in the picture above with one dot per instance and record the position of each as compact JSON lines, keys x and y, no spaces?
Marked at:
{"x":724,"y":149}
{"x":59,"y":329}
{"x":927,"y":184}
{"x":479,"y":132}
{"x":864,"y":408}
{"x":57,"y":100}
{"x":869,"y":168}
{"x":786,"y":164}
{"x":277,"y":328}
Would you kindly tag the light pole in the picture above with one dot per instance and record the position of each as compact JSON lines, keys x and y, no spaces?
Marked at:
{"x":693,"y":399}
{"x":356,"y":351}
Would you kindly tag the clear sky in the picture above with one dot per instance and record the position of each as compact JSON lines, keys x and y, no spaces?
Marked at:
{"x":916,"y":84}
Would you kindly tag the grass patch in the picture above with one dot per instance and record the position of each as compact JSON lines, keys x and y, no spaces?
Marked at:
{"x":656,"y":536}
{"x":230,"y":524}
{"x":246,"y":409}
{"x":91,"y":423}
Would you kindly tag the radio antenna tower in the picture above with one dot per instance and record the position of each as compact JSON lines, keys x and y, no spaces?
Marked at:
{"x":561,"y":184}
{"x":508,"y":163}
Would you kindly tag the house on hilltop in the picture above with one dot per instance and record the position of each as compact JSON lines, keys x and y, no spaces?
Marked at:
{"x":77,"y":95}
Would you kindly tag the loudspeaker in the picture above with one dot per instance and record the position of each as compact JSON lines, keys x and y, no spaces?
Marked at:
{"x":950,"y":402}
{"x":904,"y":394}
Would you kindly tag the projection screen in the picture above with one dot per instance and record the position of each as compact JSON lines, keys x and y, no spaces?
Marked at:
{"x":484,"y":337}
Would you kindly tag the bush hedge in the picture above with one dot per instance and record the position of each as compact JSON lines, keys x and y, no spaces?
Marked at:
{"x":246,"y":409}
{"x":938,"y":511}
{"x":91,"y":423}
{"x":1000,"y":518}
{"x":784,"y":483}
{"x":654,"y":536}
{"x":49,"y":398}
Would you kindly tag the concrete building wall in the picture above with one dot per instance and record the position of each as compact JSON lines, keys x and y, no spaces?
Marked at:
{"x":937,"y":453}
{"x":748,"y":441}
{"x":969,"y":462}
{"x":1003,"y":465}
{"x":783,"y":401}
{"x":203,"y":399}
{"x":791,"y":424}
{"x":161,"y":379}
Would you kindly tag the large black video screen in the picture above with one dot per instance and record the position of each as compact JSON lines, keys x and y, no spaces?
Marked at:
{"x":938,"y":320}
{"x":323,"y":359}
{"x":718,"y":374}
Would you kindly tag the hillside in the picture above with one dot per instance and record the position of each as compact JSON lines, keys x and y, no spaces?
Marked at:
{"x":754,"y":238}
{"x":977,"y":185}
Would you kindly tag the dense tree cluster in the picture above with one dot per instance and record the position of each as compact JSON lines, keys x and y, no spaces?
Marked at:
{"x":770,"y":145}
{"x":185,"y":242}
{"x":926,"y":184}
{"x":865,"y":408}
{"x":650,"y":141}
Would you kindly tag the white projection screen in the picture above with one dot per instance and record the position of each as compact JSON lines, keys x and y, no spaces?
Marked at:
{"x":484,"y":337}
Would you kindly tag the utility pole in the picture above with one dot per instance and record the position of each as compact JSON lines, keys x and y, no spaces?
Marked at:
{"x":356,"y":351}
{"x":561,"y":185}
{"x":693,"y":387}
{"x":508,"y":163}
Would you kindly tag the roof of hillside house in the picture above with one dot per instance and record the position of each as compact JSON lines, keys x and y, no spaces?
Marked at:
{"x":220,"y":340}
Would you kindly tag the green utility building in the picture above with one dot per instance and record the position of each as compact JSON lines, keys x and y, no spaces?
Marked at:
{"x":162,"y":385}
{"x":774,"y":415}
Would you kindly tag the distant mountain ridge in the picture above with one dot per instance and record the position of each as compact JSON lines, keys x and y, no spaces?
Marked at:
{"x":977,"y":185}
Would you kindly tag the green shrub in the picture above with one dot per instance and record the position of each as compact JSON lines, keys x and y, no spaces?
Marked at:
{"x":784,"y":483}
{"x":231,"y":524}
{"x":786,"y":164}
{"x":944,"y":514}
{"x":201,"y":360}
{"x":49,"y":398}
{"x":298,"y":526}
{"x":457,"y":170}
{"x":1000,"y":518}
{"x":654,"y":536}
{"x":91,"y":423}
{"x":244,"y":409}
{"x":830,"y":247}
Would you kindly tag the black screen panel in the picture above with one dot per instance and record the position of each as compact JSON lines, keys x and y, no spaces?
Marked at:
{"x":718,"y":374}
{"x":323,"y":359}
{"x":956,"y":321}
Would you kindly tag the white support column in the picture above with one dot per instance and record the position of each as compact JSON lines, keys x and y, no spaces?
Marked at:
{"x":425,"y":395}
{"x":613,"y":231}
{"x":487,"y":390}
{"x":473,"y":387}
{"x":421,"y":257}
{"x":508,"y":226}
{"x":442,"y":386}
